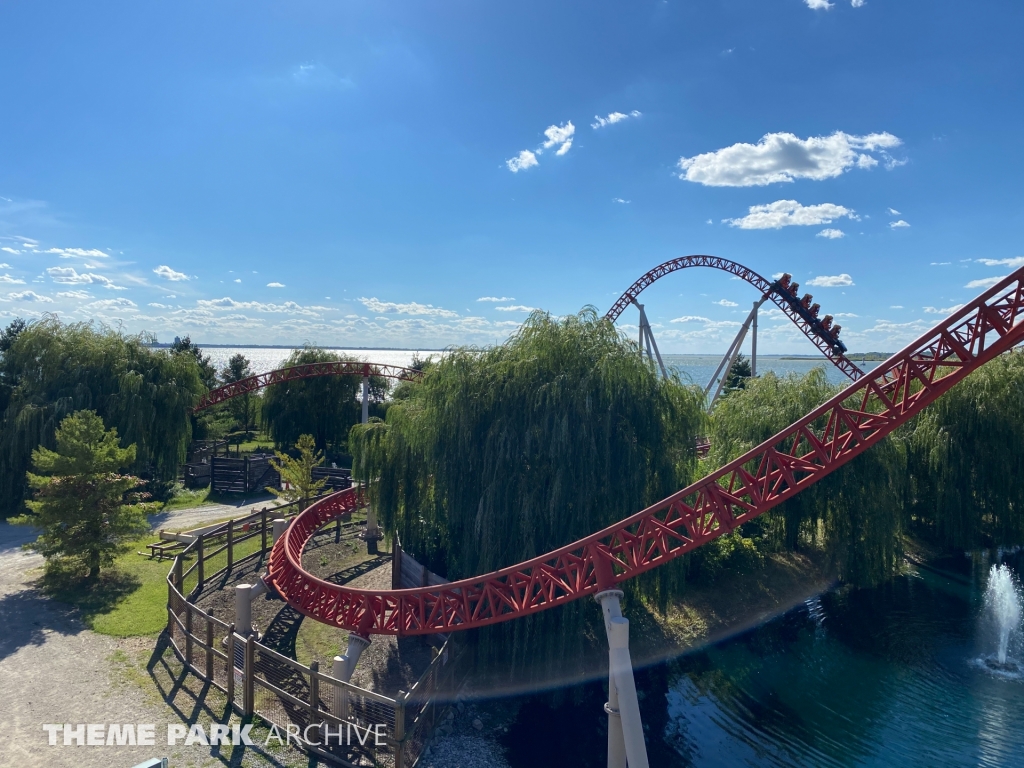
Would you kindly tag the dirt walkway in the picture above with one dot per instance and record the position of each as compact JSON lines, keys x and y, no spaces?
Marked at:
{"x":54,"y":670}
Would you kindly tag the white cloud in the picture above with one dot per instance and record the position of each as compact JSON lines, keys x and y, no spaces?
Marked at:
{"x":858,"y":3}
{"x":70,"y":276}
{"x":614,"y":117}
{"x":160,"y":306}
{"x":788,"y":213}
{"x":496,"y":298}
{"x":845,"y":314}
{"x":943,"y":310}
{"x":831,"y":281}
{"x":986,"y":282}
{"x":238,"y":279}
{"x":525,"y":159}
{"x":831,"y":234}
{"x":169,"y":274}
{"x":691,"y":319}
{"x":896,"y":306}
{"x":11,"y":280}
{"x":5,"y":266}
{"x":892,"y":211}
{"x":560,"y":135}
{"x":106,"y":304}
{"x":275,"y":285}
{"x":288,"y":307}
{"x":783,"y":157}
{"x":412,"y":308}
{"x":518,"y":308}
{"x":940,"y":263}
{"x":620,"y":200}
{"x":8,"y":249}
{"x":898,"y":224}
{"x":29,"y":296}
{"x":78,"y":253}
{"x":819,"y":5}
{"x":1016,"y":261}
{"x":74,"y":295}
{"x":725,"y":303}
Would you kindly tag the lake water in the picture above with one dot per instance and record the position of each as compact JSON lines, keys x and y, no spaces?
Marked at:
{"x":874,"y":677}
{"x":698,"y":368}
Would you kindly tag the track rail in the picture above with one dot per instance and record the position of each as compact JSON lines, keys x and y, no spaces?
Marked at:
{"x":306,"y":371}
{"x":797,"y":457}
{"x":838,"y":359}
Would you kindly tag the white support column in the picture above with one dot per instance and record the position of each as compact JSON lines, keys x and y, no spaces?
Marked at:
{"x":343,"y":668}
{"x":372,"y":534}
{"x":753,"y":342}
{"x":280,"y":526}
{"x":625,"y":730}
{"x":243,"y":609}
{"x":366,"y":399}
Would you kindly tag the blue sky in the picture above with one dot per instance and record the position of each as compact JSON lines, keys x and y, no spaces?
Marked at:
{"x":357,"y":173}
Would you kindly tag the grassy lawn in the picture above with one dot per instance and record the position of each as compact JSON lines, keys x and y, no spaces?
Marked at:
{"x":183,"y":498}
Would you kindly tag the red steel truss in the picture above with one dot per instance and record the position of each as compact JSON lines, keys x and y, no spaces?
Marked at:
{"x":307,"y":371}
{"x":837,"y":358}
{"x":803,"y":453}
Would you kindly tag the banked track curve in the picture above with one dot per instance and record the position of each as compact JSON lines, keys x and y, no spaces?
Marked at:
{"x":835,"y":356}
{"x":795,"y":458}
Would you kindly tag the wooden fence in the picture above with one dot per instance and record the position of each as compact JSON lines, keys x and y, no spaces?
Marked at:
{"x":259,"y":681}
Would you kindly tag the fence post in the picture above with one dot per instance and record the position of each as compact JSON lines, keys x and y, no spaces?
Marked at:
{"x":396,"y":562}
{"x":170,"y":600}
{"x":248,"y":677}
{"x":177,"y":572}
{"x":263,"y":530}
{"x":200,"y":563}
{"x":188,"y":635}
{"x":231,"y":544}
{"x":400,"y":700}
{"x":314,"y":692}
{"x":231,"y":666}
{"x":209,"y":649}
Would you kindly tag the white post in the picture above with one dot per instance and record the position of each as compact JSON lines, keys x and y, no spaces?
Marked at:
{"x":625,"y":730}
{"x":343,"y":668}
{"x":372,"y":534}
{"x":243,"y":609}
{"x":753,"y":342}
{"x":366,"y":399}
{"x":280,"y":525}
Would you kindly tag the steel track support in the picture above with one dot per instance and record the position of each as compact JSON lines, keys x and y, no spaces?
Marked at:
{"x":647,"y":339}
{"x":626,"y":745}
{"x":733,"y":353}
{"x":366,"y":398}
{"x":753,"y":342}
{"x":343,"y":668}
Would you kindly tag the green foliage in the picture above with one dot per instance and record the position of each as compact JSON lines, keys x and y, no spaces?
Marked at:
{"x":502,"y":454}
{"x":324,"y":407}
{"x":53,"y":369}
{"x":966,"y":456}
{"x":739,"y":373}
{"x":854,"y":512}
{"x":244,"y":408}
{"x":80,"y":496}
{"x":298,"y":472}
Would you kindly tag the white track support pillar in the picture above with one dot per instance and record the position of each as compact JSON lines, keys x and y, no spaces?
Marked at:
{"x":243,"y":609}
{"x":647,"y":340}
{"x":625,"y":730}
{"x":343,"y":668}
{"x":280,"y":526}
{"x":753,"y":342}
{"x":366,"y":399}
{"x":372,"y":534}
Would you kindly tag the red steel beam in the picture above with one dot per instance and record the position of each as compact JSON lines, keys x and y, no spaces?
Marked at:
{"x":800,"y":455}
{"x":306,"y":371}
{"x":838,"y":359}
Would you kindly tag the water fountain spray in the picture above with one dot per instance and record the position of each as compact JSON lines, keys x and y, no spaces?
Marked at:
{"x":1003,"y":607}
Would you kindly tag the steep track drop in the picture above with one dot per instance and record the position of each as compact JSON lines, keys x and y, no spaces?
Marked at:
{"x":803,"y":453}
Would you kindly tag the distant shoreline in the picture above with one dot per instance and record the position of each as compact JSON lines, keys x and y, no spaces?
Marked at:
{"x":167,"y":345}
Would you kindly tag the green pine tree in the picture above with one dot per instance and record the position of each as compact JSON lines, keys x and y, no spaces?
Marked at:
{"x":298,"y":473}
{"x":83,"y":505}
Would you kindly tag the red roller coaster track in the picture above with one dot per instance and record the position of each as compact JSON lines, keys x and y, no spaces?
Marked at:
{"x":837,"y":358}
{"x":307,"y":371}
{"x":803,"y":453}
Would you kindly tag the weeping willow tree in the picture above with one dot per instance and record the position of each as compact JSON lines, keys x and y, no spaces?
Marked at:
{"x":52,"y":369}
{"x":855,"y":513}
{"x":502,"y":454}
{"x":966,"y":457}
{"x":324,"y":407}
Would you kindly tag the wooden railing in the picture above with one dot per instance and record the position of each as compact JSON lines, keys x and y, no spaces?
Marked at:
{"x":261,"y":682}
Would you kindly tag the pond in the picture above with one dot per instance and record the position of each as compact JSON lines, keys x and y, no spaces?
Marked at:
{"x":892,"y":675}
